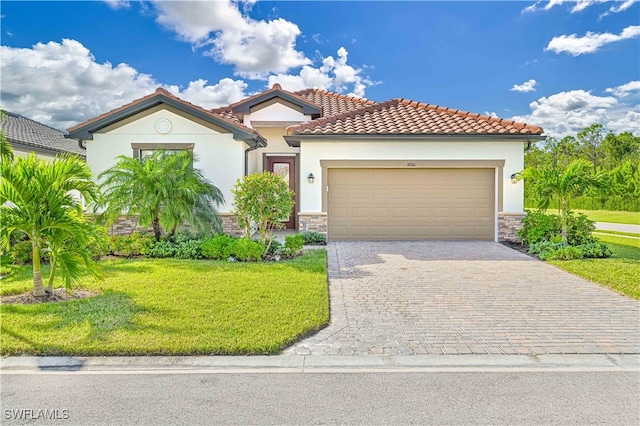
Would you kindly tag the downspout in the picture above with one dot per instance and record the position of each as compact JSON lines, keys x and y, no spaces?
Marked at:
{"x":246,"y":153}
{"x":80,"y":144}
{"x":246,"y":158}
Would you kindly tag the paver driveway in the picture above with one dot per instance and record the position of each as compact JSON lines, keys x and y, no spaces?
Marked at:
{"x":404,"y":298}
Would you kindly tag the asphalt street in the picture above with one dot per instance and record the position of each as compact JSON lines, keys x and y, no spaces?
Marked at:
{"x":620,"y":227}
{"x":138,"y":397}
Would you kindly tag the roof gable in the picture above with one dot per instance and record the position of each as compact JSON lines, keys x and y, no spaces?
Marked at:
{"x":245,"y":105}
{"x":85,"y":130}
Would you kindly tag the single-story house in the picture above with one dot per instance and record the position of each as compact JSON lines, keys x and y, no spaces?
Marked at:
{"x":26,"y":136}
{"x":360,"y":170}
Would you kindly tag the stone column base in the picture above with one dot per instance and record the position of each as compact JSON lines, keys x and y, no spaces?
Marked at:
{"x":230,"y":225}
{"x":508,"y":225}
{"x":312,"y":222}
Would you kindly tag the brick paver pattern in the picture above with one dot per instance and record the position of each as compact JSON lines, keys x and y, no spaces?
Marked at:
{"x":432,"y":297}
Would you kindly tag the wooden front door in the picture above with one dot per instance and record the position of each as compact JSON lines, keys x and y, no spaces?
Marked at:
{"x":285,"y":167}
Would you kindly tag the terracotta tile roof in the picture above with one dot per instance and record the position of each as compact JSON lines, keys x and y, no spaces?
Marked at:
{"x":332,"y":103}
{"x":24,"y":131}
{"x":405,"y":117}
{"x":226,"y":113}
{"x":163,"y":92}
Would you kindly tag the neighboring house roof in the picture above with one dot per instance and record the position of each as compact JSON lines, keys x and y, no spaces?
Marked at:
{"x":85,"y":130}
{"x":22,"y":131}
{"x":405,"y":117}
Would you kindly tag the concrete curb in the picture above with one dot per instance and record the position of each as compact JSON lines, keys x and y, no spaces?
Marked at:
{"x":318,"y":363}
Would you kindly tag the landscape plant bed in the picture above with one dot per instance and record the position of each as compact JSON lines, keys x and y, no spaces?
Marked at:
{"x":173,"y":307}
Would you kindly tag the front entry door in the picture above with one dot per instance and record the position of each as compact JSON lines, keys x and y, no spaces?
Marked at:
{"x":285,"y":167}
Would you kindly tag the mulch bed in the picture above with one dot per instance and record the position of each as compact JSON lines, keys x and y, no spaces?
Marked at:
{"x":58,"y":295}
{"x":517,"y":246}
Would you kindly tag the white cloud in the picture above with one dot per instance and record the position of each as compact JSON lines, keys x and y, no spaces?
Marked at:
{"x":619,"y":8}
{"x":61,"y":84}
{"x":567,"y":113}
{"x":577,"y":5}
{"x":591,"y":42}
{"x":334,"y":74}
{"x":625,"y":89}
{"x":254,"y":48}
{"x":118,"y":4}
{"x":527,"y":86}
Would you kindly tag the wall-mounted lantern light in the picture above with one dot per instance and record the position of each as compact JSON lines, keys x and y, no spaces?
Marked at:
{"x":514,"y":179}
{"x":311,"y":177}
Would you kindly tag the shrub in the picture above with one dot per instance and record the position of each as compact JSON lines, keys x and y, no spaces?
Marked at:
{"x":217,"y":247}
{"x":579,"y":229}
{"x":595,"y":250}
{"x":562,"y":253}
{"x":20,"y":252}
{"x":274,"y":248}
{"x":542,"y":246}
{"x":314,"y":238}
{"x":101,"y":244}
{"x":134,"y":244}
{"x":537,"y":226}
{"x":189,"y":249}
{"x":163,"y":249}
{"x":589,"y":250}
{"x":263,"y":199}
{"x":246,"y":250}
{"x":293,"y":244}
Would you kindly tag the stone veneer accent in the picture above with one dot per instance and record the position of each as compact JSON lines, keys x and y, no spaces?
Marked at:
{"x":126,"y":224}
{"x":312,"y":222}
{"x":230,"y":225}
{"x":508,"y":225}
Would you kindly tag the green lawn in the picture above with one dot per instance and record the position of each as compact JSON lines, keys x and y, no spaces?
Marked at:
{"x":606,"y":231}
{"x":611,"y":216}
{"x":174,"y":307}
{"x":621,"y":272}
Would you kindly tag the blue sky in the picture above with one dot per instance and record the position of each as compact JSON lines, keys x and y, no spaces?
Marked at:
{"x":562,"y":64}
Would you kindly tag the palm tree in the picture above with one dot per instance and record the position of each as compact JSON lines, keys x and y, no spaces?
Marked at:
{"x":37,"y":199}
{"x":547,"y":184}
{"x":164,"y":190}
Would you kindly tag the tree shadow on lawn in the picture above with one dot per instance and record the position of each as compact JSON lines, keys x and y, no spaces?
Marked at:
{"x":105,"y":314}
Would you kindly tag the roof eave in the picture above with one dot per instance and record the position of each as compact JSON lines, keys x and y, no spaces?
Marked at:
{"x":295,"y":140}
{"x":86,"y":132}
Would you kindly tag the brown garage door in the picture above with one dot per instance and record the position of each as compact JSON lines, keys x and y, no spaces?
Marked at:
{"x":411,"y":204}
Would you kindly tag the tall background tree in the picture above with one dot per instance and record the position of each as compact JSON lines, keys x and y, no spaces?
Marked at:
{"x":615,"y":155}
{"x":40,"y":201}
{"x":164,"y":190}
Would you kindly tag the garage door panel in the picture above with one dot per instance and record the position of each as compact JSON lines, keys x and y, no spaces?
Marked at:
{"x":409,"y":204}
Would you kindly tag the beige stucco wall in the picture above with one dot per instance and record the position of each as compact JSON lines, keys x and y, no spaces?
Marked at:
{"x":276,"y":112}
{"x":312,"y":152}
{"x":219,"y":156}
{"x":276,"y":145}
